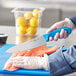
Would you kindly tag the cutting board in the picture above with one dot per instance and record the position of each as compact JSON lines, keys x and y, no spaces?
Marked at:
{"x":21,"y":72}
{"x":4,"y":57}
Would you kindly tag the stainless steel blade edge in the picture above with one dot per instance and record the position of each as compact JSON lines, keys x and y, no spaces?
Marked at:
{"x":36,"y":42}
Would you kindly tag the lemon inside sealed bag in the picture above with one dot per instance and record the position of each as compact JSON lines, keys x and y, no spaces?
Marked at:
{"x":27,"y":21}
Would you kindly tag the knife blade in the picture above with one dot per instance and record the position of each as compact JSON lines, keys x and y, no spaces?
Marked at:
{"x":36,"y":42}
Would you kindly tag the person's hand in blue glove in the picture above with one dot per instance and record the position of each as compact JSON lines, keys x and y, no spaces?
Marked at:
{"x":63,"y":34}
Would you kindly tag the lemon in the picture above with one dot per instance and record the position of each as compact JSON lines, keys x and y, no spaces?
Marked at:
{"x":36,"y":14}
{"x":22,"y":30}
{"x":31,"y":31}
{"x":34,"y":22}
{"x":28,"y":15}
{"x":37,"y":9}
{"x":21,"y":21}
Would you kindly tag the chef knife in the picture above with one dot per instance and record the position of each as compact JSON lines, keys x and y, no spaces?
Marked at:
{"x":38,"y":41}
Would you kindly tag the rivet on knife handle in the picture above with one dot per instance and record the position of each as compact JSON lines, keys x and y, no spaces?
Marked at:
{"x":53,"y":33}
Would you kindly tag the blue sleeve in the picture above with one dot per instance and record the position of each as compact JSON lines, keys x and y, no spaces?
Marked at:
{"x":73,"y":19}
{"x":62,"y":62}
